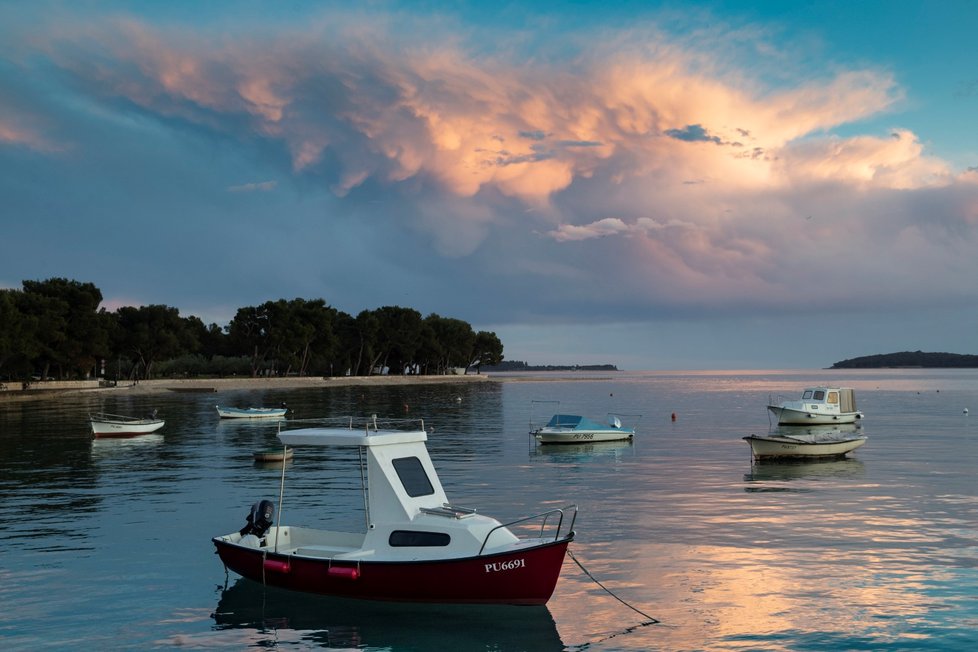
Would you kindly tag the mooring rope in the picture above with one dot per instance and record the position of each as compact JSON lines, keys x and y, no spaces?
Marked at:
{"x":651,"y":620}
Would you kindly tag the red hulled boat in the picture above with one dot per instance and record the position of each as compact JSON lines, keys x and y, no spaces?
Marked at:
{"x":417,"y":546}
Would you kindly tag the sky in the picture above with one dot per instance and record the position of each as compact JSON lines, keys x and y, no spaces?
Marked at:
{"x":655,"y":185}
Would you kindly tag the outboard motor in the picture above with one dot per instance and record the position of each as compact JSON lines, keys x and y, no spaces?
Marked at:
{"x":260,"y":518}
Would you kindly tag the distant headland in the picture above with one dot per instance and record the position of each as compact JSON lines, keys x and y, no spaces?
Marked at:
{"x":519,"y":365}
{"x":909,"y":359}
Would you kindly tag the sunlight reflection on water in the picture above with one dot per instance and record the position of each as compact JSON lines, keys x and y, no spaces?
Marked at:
{"x":107,"y":544}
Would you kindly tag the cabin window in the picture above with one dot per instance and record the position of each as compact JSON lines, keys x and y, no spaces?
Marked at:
{"x":417,"y":539}
{"x":807,"y":395}
{"x":833,"y":397}
{"x":412,"y":475}
{"x":819,"y":395}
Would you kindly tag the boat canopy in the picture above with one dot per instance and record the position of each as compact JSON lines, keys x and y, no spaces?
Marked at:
{"x":564,"y":421}
{"x":349,"y":437}
{"x":575,"y":422}
{"x":401,"y":479}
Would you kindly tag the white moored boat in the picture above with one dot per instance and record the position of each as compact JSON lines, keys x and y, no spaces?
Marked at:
{"x":816,"y":442}
{"x":251,"y":412}
{"x":818,"y":405}
{"x":574,"y":429}
{"x":115,"y":425}
{"x":415,"y":546}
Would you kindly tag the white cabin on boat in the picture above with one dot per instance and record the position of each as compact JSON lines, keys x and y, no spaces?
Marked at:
{"x":405,"y":498}
{"x":818,"y":405}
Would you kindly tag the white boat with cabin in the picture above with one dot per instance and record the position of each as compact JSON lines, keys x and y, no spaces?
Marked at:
{"x":416,"y":546}
{"x":817,"y":405}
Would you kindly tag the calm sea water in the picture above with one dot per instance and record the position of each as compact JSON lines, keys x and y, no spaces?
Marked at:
{"x":105,"y":544}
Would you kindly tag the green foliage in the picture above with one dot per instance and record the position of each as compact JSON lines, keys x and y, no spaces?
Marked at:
{"x":151,"y":334}
{"x":18,"y":342}
{"x":910,"y":359}
{"x":488,"y":350}
{"x":57,"y":325}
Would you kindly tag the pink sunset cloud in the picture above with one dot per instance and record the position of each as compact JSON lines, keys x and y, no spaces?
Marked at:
{"x":698,"y":174}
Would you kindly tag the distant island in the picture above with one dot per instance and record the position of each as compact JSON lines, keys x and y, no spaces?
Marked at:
{"x":909,"y":359}
{"x":519,"y":365}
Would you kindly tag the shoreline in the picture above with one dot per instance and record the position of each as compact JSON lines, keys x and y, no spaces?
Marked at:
{"x":45,"y":390}
{"x":49,"y":390}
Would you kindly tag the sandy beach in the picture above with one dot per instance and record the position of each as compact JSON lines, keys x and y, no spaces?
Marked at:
{"x":11,"y":392}
{"x":53,"y":389}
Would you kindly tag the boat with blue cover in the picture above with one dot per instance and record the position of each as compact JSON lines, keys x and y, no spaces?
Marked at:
{"x":575,"y":429}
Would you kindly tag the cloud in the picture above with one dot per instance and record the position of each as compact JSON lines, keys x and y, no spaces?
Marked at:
{"x":897,"y":161}
{"x":20,"y":128}
{"x":611,"y":226}
{"x":438,"y":115}
{"x":262,"y":186}
{"x":457,"y":155}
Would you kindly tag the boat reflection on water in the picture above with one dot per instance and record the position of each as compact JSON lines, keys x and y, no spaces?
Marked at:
{"x":577,"y":452}
{"x":356,"y":624}
{"x":806,"y":470}
{"x":273,"y":424}
{"x":273,"y":465}
{"x":113,"y":445}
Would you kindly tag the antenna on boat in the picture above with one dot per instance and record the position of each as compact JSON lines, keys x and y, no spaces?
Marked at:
{"x":281,"y":489}
{"x":363,"y":488}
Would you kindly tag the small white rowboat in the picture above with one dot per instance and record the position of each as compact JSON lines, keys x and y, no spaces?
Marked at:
{"x":250,"y":412}
{"x":114,"y":425}
{"x":810,"y":443}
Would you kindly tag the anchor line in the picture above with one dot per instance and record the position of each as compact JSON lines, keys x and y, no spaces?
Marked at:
{"x":627,"y":630}
{"x":651,"y":620}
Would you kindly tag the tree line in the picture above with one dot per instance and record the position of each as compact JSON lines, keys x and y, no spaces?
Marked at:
{"x":910,"y":359}
{"x":56,"y":329}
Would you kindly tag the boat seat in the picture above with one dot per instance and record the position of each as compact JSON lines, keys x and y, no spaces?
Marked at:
{"x":325,"y":552}
{"x":449,"y":511}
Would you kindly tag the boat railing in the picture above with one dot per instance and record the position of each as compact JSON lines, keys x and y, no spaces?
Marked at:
{"x":451,"y":511}
{"x":101,"y":416}
{"x":545,"y":518}
{"x":533,"y":420}
{"x":368,"y":424}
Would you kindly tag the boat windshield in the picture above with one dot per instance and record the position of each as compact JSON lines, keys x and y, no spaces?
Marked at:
{"x":807,"y":395}
{"x":819,"y":395}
